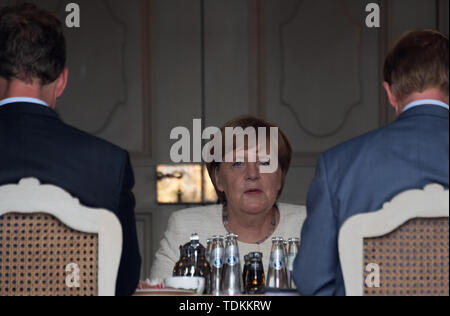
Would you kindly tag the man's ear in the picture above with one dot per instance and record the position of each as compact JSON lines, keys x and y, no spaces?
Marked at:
{"x":61,"y":82}
{"x":392,"y":98}
{"x":3,"y":87}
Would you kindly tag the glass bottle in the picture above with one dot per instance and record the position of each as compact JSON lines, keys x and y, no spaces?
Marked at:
{"x":208,"y":250}
{"x":182,"y":267}
{"x":246,"y":265}
{"x":294,"y":244}
{"x":255,"y":278}
{"x":231,"y":281}
{"x":217,"y":254}
{"x":192,"y":261}
{"x":277,"y":274}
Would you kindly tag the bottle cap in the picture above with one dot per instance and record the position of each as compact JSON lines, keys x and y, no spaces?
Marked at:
{"x":232,"y":236}
{"x":194,"y":237}
{"x":257,"y":255}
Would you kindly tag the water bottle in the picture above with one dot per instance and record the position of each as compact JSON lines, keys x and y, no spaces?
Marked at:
{"x":294,"y":244}
{"x":285,"y":248}
{"x":231,"y":281}
{"x":208,"y":250}
{"x":277,"y":274}
{"x":217,"y":254}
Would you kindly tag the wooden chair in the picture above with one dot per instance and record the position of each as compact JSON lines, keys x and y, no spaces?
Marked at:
{"x":401,"y":250}
{"x":51,"y":245}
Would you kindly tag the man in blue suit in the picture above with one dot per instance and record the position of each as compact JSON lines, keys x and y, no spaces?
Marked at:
{"x":360,"y":175}
{"x":34,"y":142}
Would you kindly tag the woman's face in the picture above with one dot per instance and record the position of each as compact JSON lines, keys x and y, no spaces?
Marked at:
{"x":246,"y":188}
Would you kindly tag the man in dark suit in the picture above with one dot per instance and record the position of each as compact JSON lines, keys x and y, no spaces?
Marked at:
{"x":361,"y":174}
{"x":34,"y":142}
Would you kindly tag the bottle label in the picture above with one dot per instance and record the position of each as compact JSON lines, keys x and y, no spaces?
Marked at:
{"x":217,"y":257}
{"x":278,"y":264}
{"x":231,"y":260}
{"x":277,"y":260}
{"x":218,"y":262}
{"x":231,"y":257}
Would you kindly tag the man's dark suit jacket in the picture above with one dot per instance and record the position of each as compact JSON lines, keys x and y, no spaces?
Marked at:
{"x":34,"y":142}
{"x":358,"y":177}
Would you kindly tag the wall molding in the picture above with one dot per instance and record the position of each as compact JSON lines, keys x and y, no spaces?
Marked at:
{"x":145,"y":218}
{"x":119,"y":103}
{"x":146,"y":156}
{"x":288,"y":104}
{"x":258,"y":74}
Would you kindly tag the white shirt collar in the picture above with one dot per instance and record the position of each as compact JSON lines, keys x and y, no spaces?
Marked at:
{"x":425,"y":101}
{"x":22,"y":99}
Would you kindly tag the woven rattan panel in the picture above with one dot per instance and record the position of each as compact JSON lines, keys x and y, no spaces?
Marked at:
{"x":35,"y":250}
{"x":413,"y":260}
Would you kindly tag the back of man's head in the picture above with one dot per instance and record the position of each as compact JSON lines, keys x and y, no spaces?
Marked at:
{"x":418,"y":61}
{"x":32,"y":45}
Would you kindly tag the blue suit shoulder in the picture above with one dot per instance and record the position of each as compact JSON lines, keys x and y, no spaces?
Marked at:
{"x":421,"y":126}
{"x":356,"y":145}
